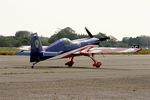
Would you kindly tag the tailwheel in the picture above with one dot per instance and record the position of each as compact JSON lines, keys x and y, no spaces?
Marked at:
{"x":69,"y":63}
{"x":33,"y":64}
{"x":97,"y":64}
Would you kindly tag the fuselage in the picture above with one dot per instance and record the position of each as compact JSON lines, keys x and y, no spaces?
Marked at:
{"x":63,"y":46}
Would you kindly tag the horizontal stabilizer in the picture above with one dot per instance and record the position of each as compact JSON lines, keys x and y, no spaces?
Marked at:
{"x":23,"y":53}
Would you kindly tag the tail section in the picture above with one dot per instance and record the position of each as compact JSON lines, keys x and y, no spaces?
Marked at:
{"x":36,"y":48}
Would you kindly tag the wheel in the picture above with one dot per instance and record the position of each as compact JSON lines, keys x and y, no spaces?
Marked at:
{"x":70,"y":63}
{"x":32,"y":67}
{"x":97,"y":64}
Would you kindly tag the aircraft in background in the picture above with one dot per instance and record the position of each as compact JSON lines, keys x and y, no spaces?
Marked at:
{"x":66,"y":48}
{"x":28,"y":48}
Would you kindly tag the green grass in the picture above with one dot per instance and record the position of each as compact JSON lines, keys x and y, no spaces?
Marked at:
{"x":144,"y":51}
{"x":8,"y":50}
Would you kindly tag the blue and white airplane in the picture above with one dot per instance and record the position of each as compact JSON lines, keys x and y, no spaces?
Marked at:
{"x":65,"y":48}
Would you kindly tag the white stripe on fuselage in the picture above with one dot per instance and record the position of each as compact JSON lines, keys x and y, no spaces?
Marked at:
{"x":72,"y":52}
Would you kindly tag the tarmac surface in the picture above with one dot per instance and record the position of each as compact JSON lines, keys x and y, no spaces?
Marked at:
{"x":121,"y":77}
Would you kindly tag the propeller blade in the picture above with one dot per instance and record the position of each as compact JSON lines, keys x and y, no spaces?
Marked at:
{"x":89,"y":33}
{"x":91,"y":36}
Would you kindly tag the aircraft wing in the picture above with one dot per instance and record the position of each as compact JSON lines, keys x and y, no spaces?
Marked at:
{"x":105,"y":50}
{"x":96,"y":50}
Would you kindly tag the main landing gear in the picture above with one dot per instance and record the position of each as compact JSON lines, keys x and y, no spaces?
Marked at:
{"x":70,"y":63}
{"x":96,"y":64}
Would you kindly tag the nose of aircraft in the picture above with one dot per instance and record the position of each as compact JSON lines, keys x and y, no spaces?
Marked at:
{"x":100,"y":38}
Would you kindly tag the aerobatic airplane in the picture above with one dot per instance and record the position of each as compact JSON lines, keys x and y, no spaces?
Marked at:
{"x":66,"y":48}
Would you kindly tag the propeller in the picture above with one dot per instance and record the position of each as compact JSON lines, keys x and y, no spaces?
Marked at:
{"x":100,"y":38}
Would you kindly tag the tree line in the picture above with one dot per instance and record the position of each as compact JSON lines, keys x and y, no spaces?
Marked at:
{"x":23,"y":38}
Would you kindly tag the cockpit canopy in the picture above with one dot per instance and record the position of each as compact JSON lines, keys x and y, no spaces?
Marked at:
{"x":60,"y":45}
{"x":66,"y":41}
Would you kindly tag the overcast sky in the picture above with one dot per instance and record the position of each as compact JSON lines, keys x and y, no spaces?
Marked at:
{"x":120,"y":18}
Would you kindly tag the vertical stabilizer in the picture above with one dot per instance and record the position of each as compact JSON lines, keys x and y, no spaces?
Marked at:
{"x":36,"y":48}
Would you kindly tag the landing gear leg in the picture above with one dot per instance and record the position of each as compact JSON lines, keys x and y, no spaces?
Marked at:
{"x":97,"y":64}
{"x":33,"y":64}
{"x":70,"y":63}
